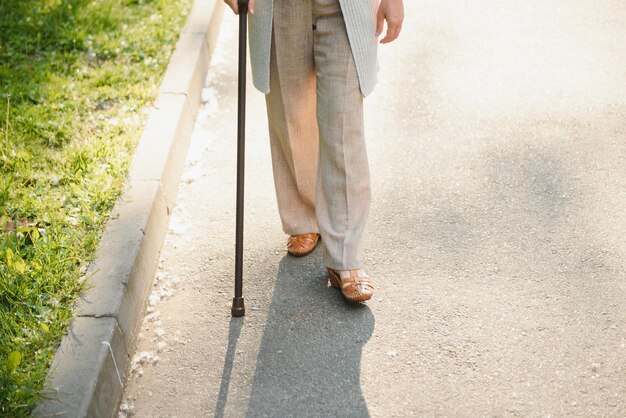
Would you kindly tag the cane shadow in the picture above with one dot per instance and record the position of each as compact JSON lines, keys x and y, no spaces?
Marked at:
{"x":234,"y":331}
{"x":309,"y":361}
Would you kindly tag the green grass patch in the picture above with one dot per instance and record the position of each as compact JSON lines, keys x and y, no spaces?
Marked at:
{"x":76,"y":78}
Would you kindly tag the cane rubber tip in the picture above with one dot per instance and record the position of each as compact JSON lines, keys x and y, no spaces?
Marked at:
{"x":239,"y":308}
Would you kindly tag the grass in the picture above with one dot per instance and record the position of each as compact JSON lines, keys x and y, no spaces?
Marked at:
{"x":75,"y":79}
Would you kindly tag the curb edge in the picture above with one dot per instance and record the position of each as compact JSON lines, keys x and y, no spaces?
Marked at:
{"x":89,"y":369}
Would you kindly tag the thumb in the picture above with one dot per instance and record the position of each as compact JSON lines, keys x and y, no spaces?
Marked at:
{"x":380,"y":21}
{"x":251,"y":4}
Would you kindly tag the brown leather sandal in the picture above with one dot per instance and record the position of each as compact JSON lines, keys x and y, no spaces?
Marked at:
{"x":303,"y":244}
{"x":354,"y":288}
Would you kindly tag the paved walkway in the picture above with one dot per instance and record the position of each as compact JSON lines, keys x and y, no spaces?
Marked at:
{"x":497,"y":236}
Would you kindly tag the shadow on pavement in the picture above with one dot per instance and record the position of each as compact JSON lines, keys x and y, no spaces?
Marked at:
{"x":309,"y":362}
{"x":233,"y":336}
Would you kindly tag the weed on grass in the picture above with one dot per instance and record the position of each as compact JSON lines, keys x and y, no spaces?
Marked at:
{"x":76,"y":80}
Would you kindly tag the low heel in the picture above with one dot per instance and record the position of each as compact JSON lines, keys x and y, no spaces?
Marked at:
{"x":334,"y":279}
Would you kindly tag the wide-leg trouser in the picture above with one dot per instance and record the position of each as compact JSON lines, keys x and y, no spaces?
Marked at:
{"x":315,"y":113}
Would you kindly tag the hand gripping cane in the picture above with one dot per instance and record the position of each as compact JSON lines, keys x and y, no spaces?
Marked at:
{"x":238,"y":308}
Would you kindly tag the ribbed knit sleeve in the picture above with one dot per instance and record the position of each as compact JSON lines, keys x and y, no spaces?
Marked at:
{"x":360,"y":18}
{"x":260,"y":41}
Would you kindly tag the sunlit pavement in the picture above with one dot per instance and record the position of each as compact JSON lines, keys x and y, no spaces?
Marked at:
{"x":497,"y":143}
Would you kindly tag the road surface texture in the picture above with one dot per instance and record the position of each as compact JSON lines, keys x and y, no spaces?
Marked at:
{"x":497,"y":237}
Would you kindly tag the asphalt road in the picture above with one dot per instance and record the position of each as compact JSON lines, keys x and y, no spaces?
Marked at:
{"x":497,"y":237}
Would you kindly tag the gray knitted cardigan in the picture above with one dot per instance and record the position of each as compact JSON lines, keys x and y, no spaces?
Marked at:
{"x":359,"y":16}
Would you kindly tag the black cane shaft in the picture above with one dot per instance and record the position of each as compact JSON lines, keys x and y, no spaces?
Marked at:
{"x":238,"y":303}
{"x":241,"y":143}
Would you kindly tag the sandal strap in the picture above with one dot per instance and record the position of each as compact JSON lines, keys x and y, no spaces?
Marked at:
{"x":359,"y":281}
{"x":359,"y":284}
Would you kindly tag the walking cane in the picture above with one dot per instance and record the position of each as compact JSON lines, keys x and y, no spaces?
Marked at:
{"x":238,"y":308}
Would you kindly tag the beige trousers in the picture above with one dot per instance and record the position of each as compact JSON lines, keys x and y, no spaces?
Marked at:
{"x":315,"y":113}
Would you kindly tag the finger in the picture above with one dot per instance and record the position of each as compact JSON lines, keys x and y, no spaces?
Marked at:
{"x":396,"y":32}
{"x":233,"y":5}
{"x":393,"y":31}
{"x":380,"y":22}
{"x":251,"y":4}
{"x":389,"y":36}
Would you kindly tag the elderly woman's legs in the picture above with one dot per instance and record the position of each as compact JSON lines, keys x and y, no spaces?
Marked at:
{"x":315,"y":101}
{"x":343,"y":192}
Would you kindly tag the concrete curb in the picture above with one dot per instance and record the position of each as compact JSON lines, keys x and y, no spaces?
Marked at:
{"x":89,"y":369}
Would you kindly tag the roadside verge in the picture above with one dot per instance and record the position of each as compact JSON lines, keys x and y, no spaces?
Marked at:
{"x":89,"y":369}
